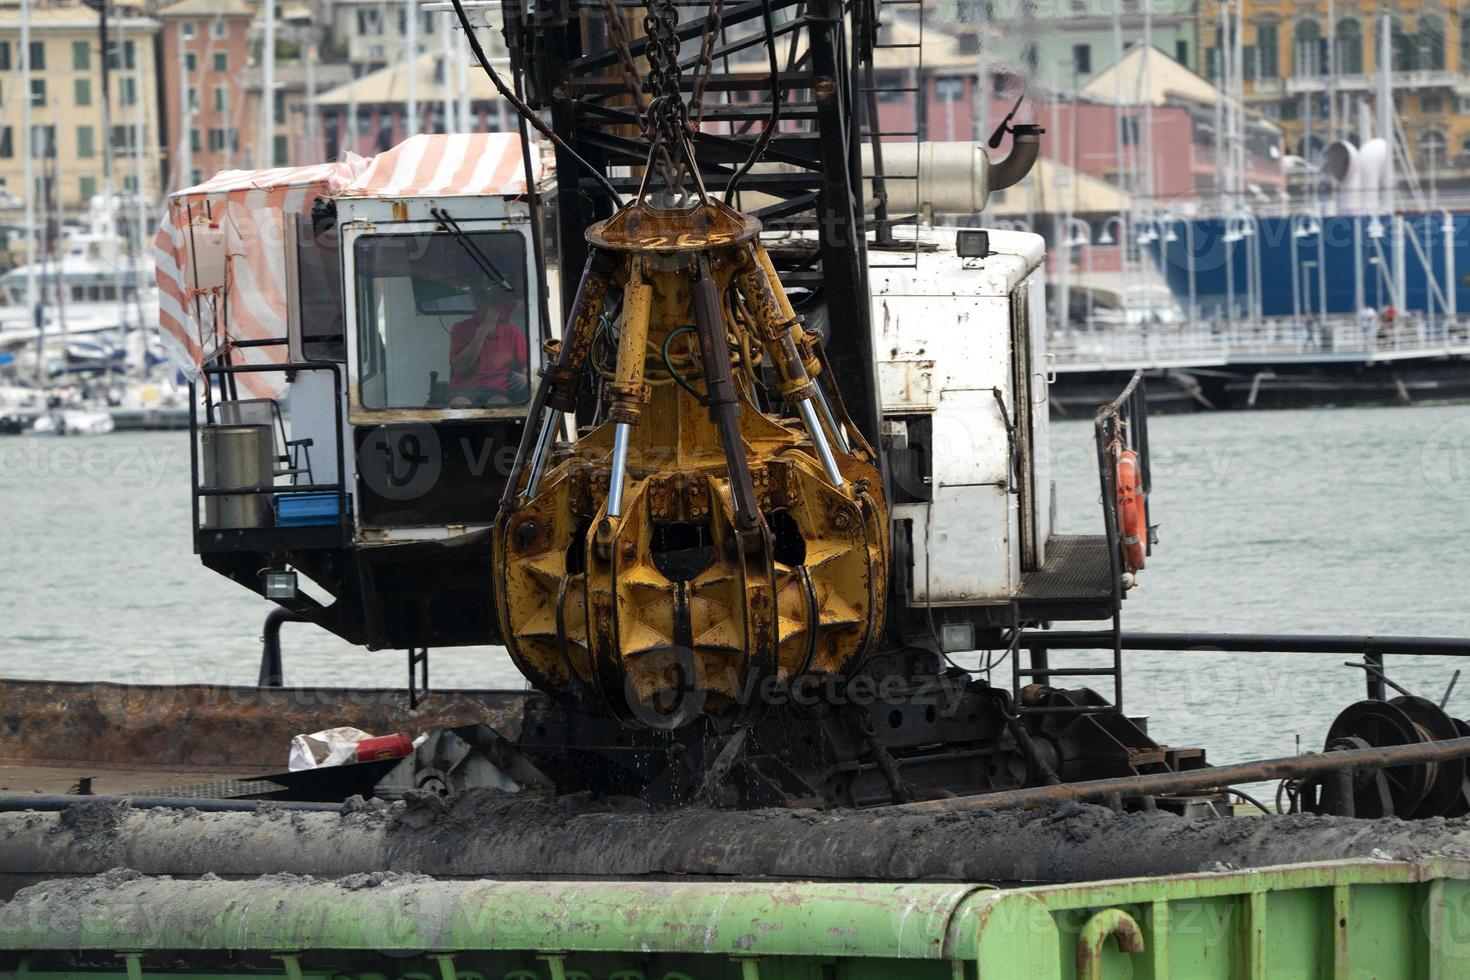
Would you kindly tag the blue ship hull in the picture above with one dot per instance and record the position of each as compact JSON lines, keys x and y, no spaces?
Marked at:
{"x":1303,"y":269}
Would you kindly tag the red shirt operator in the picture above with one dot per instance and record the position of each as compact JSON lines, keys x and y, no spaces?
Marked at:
{"x":488,"y":355}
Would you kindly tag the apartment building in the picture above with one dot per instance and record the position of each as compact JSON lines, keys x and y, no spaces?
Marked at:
{"x":76,"y":147}
{"x":1312,"y":63}
{"x":206,"y":63}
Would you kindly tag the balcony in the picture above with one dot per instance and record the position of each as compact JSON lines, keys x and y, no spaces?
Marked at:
{"x":1402,"y":80}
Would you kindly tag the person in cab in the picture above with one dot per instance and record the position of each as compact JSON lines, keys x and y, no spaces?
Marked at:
{"x":488,"y":357}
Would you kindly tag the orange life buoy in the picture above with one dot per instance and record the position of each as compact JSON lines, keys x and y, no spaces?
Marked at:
{"x":1134,"y":525}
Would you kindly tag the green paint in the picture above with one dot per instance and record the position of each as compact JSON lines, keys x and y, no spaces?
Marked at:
{"x":1334,"y":919}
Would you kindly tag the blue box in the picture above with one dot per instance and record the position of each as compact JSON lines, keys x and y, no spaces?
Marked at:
{"x":307,"y":509}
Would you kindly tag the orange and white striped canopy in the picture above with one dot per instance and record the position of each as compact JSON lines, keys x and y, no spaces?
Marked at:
{"x":254,"y":211}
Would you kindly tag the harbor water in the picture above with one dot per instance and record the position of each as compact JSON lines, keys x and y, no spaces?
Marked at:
{"x":1329,"y":521}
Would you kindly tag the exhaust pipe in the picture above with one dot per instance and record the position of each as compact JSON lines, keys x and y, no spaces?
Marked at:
{"x":1025,"y":147}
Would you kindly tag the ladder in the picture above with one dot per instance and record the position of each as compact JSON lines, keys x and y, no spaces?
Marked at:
{"x":892,"y":197}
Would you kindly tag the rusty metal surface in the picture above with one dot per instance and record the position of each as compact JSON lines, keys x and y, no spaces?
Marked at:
{"x":214,"y":727}
{"x":1199,"y":780}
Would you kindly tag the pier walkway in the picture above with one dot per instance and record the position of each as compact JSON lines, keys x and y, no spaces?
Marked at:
{"x":1285,"y":341}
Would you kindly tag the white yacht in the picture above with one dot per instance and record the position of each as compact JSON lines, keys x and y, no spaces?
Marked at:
{"x":94,"y":285}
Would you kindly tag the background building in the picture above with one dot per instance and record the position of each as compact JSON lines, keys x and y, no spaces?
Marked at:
{"x":206,"y":59}
{"x":76,"y":146}
{"x":1311,"y":64}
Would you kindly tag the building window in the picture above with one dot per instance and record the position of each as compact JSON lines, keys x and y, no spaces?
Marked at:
{"x":1181,"y":52}
{"x":1432,"y":147}
{"x":85,"y":146}
{"x":122,"y":137}
{"x":191,"y":62}
{"x":81,"y":91}
{"x":193,"y":98}
{"x":38,"y":56}
{"x":1431,"y":104}
{"x":188,"y":29}
{"x":217,"y":28}
{"x":196,"y":141}
{"x":130,"y":183}
{"x":38,"y":91}
{"x":1348,"y":55}
{"x":949,"y":89}
{"x":221,"y":98}
{"x":1268,"y":51}
{"x":1082,"y":59}
{"x":278,"y":113}
{"x":4,"y":55}
{"x":1405,"y":47}
{"x":87,"y":189}
{"x":128,"y":52}
{"x":216,"y":140}
{"x":1307,"y":51}
{"x":81,"y":55}
{"x":43,"y":141}
{"x":129,"y":91}
{"x":7,"y":143}
{"x":369,"y":22}
{"x":221,"y":61}
{"x":280,"y":151}
{"x":1465,"y":145}
{"x":1128,"y":127}
{"x":1431,"y":43}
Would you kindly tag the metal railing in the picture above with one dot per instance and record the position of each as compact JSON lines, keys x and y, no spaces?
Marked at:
{"x":1119,"y":425}
{"x":1275,"y":340}
{"x":226,"y":373}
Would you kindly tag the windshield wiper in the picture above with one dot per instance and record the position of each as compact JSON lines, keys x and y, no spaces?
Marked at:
{"x":481,"y":259}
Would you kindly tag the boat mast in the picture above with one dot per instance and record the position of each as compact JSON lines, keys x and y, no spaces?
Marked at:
{"x":106,"y":103}
{"x":446,"y":44}
{"x":411,"y":13}
{"x":268,"y":85}
{"x":1388,"y":132}
{"x":140,"y":211}
{"x":28,"y":193}
{"x":186,"y":116}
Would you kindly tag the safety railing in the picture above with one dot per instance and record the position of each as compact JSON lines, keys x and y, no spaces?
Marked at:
{"x":226,"y":372}
{"x":1121,"y":424}
{"x":1276,"y":340}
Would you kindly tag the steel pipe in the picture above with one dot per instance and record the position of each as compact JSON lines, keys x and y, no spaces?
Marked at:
{"x":543,"y":448}
{"x":819,"y":440}
{"x":1445,"y":646}
{"x":619,"y":470}
{"x":51,"y":803}
{"x":1203,"y":780}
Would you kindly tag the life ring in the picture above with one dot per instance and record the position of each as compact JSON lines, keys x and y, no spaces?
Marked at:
{"x":1131,"y":513}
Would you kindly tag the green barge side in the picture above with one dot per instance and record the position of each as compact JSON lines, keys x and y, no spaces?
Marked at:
{"x":1332,"y":919}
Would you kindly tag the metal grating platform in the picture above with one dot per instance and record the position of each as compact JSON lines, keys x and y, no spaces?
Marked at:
{"x":1077,"y":570}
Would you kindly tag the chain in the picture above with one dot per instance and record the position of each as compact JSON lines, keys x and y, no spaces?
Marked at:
{"x":617,"y":32}
{"x":706,"y":66}
{"x":664,"y":118}
{"x":668,"y":116}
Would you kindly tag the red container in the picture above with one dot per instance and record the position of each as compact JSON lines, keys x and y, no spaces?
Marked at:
{"x":394,"y":746}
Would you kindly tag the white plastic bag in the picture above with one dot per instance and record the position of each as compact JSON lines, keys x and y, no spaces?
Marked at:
{"x":331,"y":747}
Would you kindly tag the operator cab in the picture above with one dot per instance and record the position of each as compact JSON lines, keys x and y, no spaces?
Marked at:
{"x":363,"y":378}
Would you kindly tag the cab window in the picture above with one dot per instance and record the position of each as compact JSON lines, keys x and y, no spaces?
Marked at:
{"x":442,"y":321}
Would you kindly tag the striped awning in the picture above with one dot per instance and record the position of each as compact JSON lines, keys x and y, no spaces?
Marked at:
{"x":479,"y":164}
{"x":254,"y":210}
